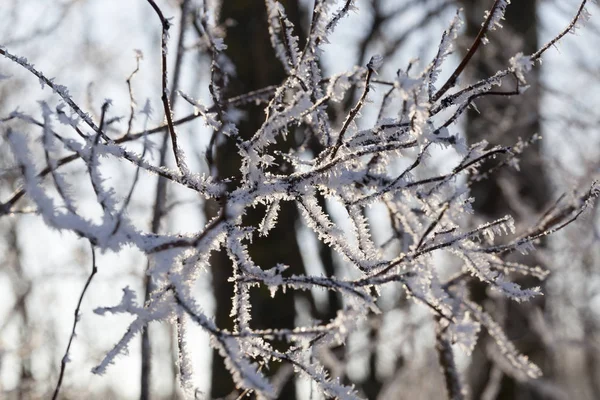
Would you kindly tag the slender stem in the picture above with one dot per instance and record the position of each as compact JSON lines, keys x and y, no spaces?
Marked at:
{"x":161,"y":186}
{"x":164,"y":82}
{"x":353,"y":113}
{"x":463,"y":64}
{"x":452,"y":377}
{"x":65,"y":359}
{"x":569,"y":28}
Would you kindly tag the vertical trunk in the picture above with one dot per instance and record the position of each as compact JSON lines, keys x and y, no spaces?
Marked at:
{"x":21,"y":285}
{"x":519,"y":193}
{"x":256,"y":66}
{"x":22,"y":289}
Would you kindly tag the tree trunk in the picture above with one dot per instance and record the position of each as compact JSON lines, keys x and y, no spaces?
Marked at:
{"x":522,"y":193}
{"x":249,"y":48}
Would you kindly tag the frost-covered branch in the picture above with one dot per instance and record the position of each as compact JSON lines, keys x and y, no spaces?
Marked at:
{"x":357,"y":164}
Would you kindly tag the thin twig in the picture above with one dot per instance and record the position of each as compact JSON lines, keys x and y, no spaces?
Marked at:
{"x":354,"y":112}
{"x":65,"y":359}
{"x":164,"y":82}
{"x":61,"y":90}
{"x":535,"y":56}
{"x":452,"y":378}
{"x":474,"y":47}
{"x":132,"y":102}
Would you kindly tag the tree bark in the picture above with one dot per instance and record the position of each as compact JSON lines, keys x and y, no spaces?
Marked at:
{"x":523,"y":193}
{"x":249,"y":48}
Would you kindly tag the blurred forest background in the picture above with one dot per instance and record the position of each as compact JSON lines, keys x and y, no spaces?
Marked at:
{"x":89,"y":45}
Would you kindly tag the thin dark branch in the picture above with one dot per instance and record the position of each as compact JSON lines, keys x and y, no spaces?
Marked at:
{"x":535,"y":56}
{"x":353,"y":113}
{"x":132,"y":102}
{"x":452,"y":378}
{"x":467,"y":58}
{"x":165,"y":89}
{"x":65,"y":359}
{"x":61,"y":90}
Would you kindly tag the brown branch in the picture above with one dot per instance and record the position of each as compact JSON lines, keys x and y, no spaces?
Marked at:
{"x":132,"y":102}
{"x":62,"y":91}
{"x":535,"y":56}
{"x":164,"y":82}
{"x":467,"y":58}
{"x":161,"y":185}
{"x":454,"y":386}
{"x":354,"y":112}
{"x":65,"y":359}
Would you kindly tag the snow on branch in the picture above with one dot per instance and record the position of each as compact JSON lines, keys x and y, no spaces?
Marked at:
{"x":386,"y":164}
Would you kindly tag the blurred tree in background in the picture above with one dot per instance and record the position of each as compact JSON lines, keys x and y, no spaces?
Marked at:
{"x":222,"y":53}
{"x":522,"y":193}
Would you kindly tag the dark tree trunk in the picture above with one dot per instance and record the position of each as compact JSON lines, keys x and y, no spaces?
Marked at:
{"x":519,"y":193}
{"x":249,"y":48}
